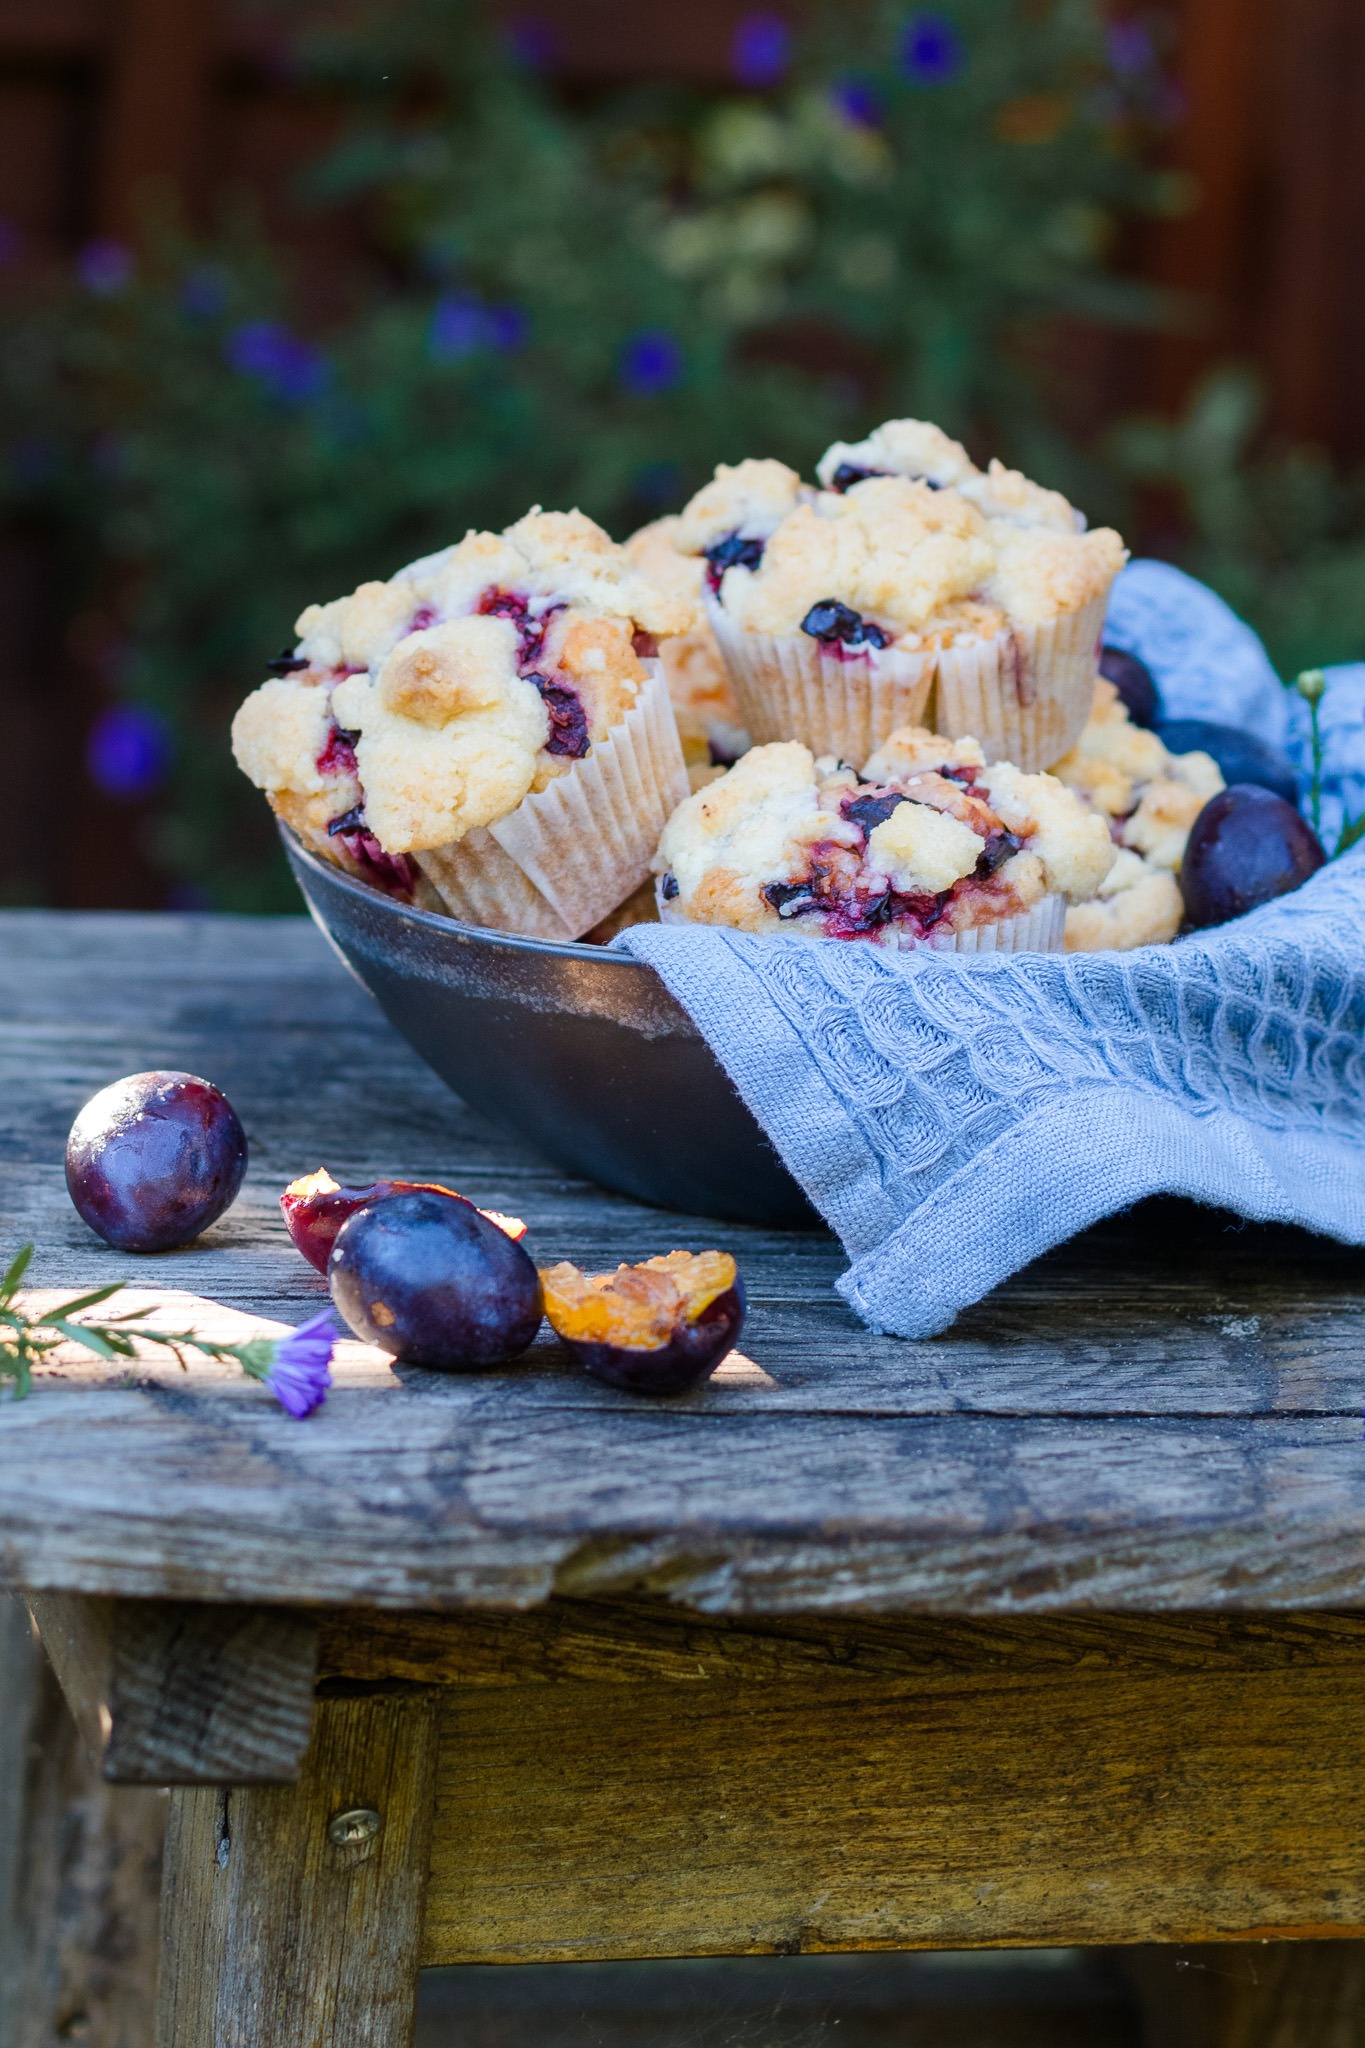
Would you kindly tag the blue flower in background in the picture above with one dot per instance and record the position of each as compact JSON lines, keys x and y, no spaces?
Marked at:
{"x":104,"y":267}
{"x":761,"y":51}
{"x":461,"y":325}
{"x":651,"y":363}
{"x":508,"y":328}
{"x":658,"y":483}
{"x":1131,"y":53}
{"x":128,"y":752}
{"x":857,"y":101}
{"x":531,"y":41}
{"x":11,"y":243}
{"x":32,"y":460}
{"x":203,"y":292}
{"x":931,"y":51}
{"x":277,"y":360}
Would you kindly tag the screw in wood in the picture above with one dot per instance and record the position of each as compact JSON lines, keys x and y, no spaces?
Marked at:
{"x":358,"y":1824}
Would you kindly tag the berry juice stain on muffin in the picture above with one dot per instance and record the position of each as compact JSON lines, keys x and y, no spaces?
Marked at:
{"x":928,"y":844}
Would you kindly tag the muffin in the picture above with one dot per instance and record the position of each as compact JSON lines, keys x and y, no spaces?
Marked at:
{"x":1150,"y":799}
{"x":489,"y":732}
{"x":709,"y":724}
{"x":930,"y":846}
{"x":910,"y":581}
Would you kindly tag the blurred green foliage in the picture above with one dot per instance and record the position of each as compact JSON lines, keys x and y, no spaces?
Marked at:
{"x":1276,"y":529}
{"x":574,"y":303}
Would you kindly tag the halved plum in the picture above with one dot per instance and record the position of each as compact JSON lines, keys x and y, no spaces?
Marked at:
{"x":315,"y":1208}
{"x":656,"y":1328}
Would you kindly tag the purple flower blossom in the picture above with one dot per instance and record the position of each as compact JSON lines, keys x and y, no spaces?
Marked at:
{"x":32,"y":459}
{"x":531,"y":41}
{"x":931,"y":51}
{"x":301,"y":1371}
{"x":658,"y":483}
{"x":761,"y":51}
{"x":105,"y":267}
{"x":651,"y":363}
{"x":127,"y":752}
{"x":461,"y":325}
{"x":277,"y":360}
{"x":1131,"y":53}
{"x":857,"y":101}
{"x":203,"y":292}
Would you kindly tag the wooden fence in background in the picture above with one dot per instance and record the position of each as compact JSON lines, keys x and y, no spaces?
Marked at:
{"x":100,"y":99}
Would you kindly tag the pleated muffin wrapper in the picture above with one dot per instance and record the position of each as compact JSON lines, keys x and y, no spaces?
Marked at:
{"x":791,"y":687}
{"x":1026,"y":694}
{"x":1039,"y":930}
{"x":567,"y":856}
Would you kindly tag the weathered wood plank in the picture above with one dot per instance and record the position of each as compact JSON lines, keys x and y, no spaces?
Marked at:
{"x":1115,"y":1805}
{"x":165,"y":1693}
{"x":416,"y":1501}
{"x":634,"y":1642}
{"x":277,"y":1925}
{"x":79,"y":1872}
{"x":1163,"y":1414}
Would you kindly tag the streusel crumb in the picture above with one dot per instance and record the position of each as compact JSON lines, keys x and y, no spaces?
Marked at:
{"x":752,"y":499}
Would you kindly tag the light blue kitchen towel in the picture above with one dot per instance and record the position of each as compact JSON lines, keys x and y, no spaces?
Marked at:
{"x":954,"y":1118}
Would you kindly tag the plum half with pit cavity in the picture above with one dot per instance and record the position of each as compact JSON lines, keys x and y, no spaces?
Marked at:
{"x":427,"y":1278}
{"x":656,"y":1328}
{"x":316,"y":1206}
{"x":153,"y":1159}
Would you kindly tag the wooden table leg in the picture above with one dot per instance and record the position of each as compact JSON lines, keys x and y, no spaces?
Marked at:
{"x":293,"y":1913}
{"x":80,"y":1865}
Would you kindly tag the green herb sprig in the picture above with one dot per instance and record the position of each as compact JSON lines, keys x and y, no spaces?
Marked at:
{"x":295,"y":1367}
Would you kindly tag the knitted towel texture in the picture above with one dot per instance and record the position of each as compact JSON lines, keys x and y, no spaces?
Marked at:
{"x":953,"y":1118}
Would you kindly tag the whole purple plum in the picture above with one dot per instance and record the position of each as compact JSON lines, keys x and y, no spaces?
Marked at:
{"x":1246,"y":847}
{"x":430,"y":1280}
{"x":154,"y":1159}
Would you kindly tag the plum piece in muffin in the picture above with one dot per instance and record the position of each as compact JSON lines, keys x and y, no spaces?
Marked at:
{"x":427,"y":710}
{"x":928,"y":846}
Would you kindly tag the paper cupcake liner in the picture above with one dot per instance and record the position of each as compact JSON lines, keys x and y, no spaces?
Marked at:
{"x":1026,"y":694}
{"x":789,"y":687}
{"x":566,"y":857}
{"x":1039,"y":930}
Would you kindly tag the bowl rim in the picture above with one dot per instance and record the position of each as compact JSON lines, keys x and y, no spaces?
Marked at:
{"x":569,"y":949}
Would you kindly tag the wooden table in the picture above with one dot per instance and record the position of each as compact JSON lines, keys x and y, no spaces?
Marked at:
{"x":1037,"y":1633}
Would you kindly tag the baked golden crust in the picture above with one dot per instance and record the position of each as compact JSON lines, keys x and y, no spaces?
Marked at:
{"x":928,"y":837}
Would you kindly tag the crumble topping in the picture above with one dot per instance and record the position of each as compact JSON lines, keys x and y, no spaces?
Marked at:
{"x":1149,"y":798}
{"x":926,"y":837}
{"x":433,"y":703}
{"x":750,"y":499}
{"x":709,"y":723}
{"x":908,"y":542}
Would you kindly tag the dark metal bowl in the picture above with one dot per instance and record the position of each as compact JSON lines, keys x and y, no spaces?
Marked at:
{"x":581,"y":1050}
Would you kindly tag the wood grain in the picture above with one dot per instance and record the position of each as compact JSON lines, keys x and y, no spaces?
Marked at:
{"x":581,"y":1821}
{"x":80,"y":1869}
{"x":273,"y":1933}
{"x":166,"y":1693}
{"x":1163,"y":1415}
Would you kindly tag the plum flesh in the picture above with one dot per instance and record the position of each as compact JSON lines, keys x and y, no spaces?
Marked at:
{"x":315,"y":1208}
{"x":657,"y":1328}
{"x":426,"y":1277}
{"x":154,"y":1159}
{"x":1246,"y":847}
